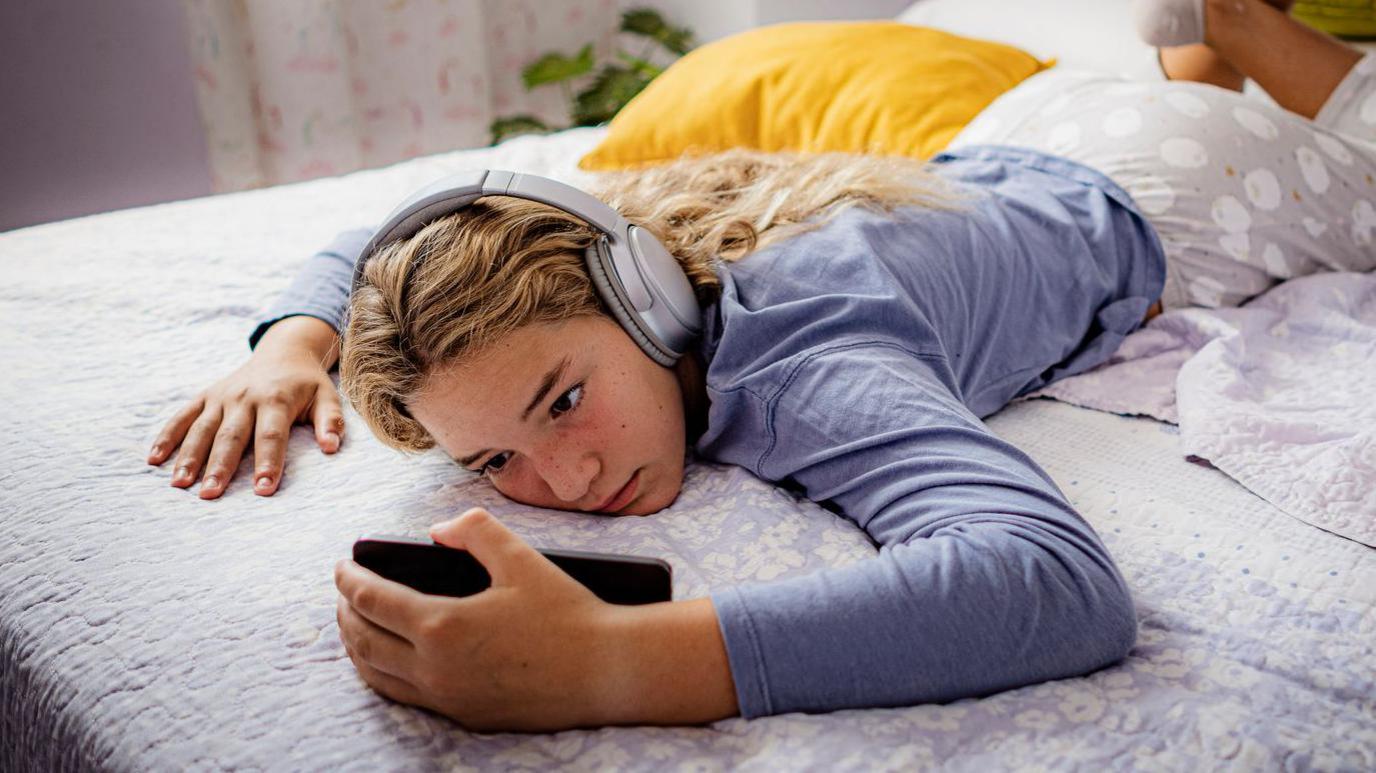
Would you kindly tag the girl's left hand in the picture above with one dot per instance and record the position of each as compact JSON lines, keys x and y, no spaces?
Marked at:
{"x":533,"y":652}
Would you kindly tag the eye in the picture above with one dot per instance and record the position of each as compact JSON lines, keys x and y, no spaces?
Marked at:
{"x":567,"y":401}
{"x":564,"y":404}
{"x":495,"y":464}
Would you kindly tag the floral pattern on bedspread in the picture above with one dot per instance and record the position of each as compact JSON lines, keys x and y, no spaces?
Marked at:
{"x":141,"y":628}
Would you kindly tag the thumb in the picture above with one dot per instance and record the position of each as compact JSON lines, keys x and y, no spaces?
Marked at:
{"x":501,"y":551}
{"x":327,"y":415}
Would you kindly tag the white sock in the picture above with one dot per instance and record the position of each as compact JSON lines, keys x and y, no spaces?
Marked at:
{"x":1165,"y":23}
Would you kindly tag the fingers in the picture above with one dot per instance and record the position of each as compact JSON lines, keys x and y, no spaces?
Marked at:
{"x":270,"y":446}
{"x":387,"y":685}
{"x":376,"y":646}
{"x":387,"y":604}
{"x":362,"y":650}
{"x":215,"y":429}
{"x":328,"y":417}
{"x":501,"y":551}
{"x":195,"y":447}
{"x":230,"y":442}
{"x":175,"y":429}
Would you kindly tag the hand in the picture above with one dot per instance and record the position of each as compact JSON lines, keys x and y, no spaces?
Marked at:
{"x":530,"y":653}
{"x":282,"y":383}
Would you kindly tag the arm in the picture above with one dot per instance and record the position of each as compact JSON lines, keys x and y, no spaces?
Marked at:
{"x":285,"y":380}
{"x":320,"y":290}
{"x":668,"y":666}
{"x":302,"y":331}
{"x":986,"y":578}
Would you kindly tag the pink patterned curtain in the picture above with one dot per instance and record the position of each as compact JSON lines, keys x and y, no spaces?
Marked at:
{"x":294,"y":90}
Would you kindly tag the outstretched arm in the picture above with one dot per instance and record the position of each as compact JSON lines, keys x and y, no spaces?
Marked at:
{"x":986,"y":578}
{"x":321,"y":288}
{"x":286,"y":380}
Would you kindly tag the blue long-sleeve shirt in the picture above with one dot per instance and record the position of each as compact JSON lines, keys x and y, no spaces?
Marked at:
{"x":853,"y":363}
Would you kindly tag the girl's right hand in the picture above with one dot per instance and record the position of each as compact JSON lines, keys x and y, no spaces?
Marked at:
{"x":278,"y":387}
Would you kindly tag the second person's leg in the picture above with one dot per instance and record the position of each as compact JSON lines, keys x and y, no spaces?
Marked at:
{"x":1296,"y":64}
{"x":1200,"y":63}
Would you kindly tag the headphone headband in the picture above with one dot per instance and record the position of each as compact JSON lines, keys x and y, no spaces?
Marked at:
{"x":641,"y":283}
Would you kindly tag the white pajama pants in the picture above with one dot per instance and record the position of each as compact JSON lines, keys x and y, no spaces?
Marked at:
{"x":1243,"y":194}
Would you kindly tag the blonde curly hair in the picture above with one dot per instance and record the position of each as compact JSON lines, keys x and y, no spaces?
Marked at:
{"x":471,"y":278}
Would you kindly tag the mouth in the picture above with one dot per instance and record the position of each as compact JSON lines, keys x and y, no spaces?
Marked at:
{"x":621,"y":498}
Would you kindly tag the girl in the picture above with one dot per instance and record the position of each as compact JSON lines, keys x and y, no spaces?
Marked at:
{"x":881,"y":309}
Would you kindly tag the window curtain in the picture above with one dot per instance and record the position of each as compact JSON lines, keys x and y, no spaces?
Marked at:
{"x":295,"y":90}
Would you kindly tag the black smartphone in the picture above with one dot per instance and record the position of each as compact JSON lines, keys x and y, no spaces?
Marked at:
{"x":432,"y":568}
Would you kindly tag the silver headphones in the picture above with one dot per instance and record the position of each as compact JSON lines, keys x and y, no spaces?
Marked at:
{"x":641,"y":283}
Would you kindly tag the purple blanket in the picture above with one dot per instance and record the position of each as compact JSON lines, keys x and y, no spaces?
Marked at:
{"x":1280,"y":394}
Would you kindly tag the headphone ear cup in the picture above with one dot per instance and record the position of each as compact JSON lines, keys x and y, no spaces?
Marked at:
{"x":612,"y":298}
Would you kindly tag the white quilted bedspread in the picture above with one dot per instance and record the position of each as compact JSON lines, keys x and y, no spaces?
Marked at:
{"x":144,"y":629}
{"x":1280,"y":394}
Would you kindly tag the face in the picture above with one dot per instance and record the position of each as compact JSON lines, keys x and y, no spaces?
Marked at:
{"x":570,"y":416}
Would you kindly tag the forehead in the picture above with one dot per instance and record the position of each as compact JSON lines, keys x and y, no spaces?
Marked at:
{"x":482,"y":396}
{"x":500,"y":373}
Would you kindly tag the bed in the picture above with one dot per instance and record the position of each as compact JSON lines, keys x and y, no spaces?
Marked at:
{"x":144,"y":629}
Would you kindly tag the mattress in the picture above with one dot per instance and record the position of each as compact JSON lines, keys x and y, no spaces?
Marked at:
{"x":142,"y":628}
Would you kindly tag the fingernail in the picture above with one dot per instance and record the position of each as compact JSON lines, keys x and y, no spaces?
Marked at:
{"x":332,"y":438}
{"x":211,"y":482}
{"x":183,"y":473}
{"x":157,"y":451}
{"x":264,"y":482}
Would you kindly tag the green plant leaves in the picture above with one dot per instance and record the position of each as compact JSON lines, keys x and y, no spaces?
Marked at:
{"x":648,"y":70}
{"x":613,"y":85}
{"x":647,"y":22}
{"x":555,"y":67}
{"x":514,"y":125}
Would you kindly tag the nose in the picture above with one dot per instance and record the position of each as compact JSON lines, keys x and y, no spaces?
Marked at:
{"x":567,"y":472}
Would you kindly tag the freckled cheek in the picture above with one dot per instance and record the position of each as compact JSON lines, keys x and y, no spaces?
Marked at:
{"x":599,"y":423}
{"x":525,"y":485}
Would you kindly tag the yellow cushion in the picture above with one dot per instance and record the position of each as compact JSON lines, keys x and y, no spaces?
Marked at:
{"x":861,"y":87}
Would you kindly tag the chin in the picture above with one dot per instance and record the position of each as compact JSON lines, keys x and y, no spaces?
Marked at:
{"x":659,"y":500}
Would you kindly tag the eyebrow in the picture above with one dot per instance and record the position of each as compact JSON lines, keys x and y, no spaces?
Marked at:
{"x":551,"y":378}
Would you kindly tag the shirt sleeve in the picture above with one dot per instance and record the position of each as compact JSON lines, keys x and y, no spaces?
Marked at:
{"x":321,"y":289}
{"x":986,"y":579}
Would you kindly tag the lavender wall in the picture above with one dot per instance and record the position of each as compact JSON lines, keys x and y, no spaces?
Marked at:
{"x":97,"y":109}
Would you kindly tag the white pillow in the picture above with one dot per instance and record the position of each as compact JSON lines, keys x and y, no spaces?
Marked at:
{"x":1081,"y":34}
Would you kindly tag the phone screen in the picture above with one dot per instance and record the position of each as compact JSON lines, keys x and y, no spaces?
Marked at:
{"x":436,"y":569}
